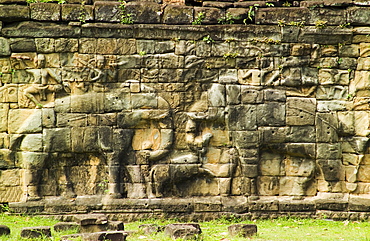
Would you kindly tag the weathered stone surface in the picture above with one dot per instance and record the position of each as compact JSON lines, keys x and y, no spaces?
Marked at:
{"x":63,"y":226}
{"x":36,"y":232}
{"x":45,"y":11}
{"x":76,"y":12}
{"x":242,"y":230}
{"x":107,"y":235}
{"x":174,"y":14}
{"x":107,"y":12}
{"x":184,"y":231}
{"x":144,"y":12}
{"x":4,"y":230}
{"x":14,"y":12}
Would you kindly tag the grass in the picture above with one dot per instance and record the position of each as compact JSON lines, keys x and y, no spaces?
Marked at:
{"x":16,"y":223}
{"x":277,"y":229}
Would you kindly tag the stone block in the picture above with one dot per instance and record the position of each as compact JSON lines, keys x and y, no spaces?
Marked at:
{"x":245,"y":139}
{"x":333,"y":16}
{"x":77,"y":12}
{"x":148,"y":12}
{"x":271,"y":114}
{"x":36,"y":232}
{"x":174,"y":14}
{"x":57,"y":140}
{"x":149,"y":229}
{"x":301,"y":149}
{"x":242,"y":117}
{"x":211,"y":15}
{"x":329,"y":151}
{"x":274,"y":95}
{"x":328,"y":35}
{"x":264,"y":205}
{"x":272,"y":15}
{"x":63,"y":226}
{"x":65,"y":45}
{"x":4,"y":47}
{"x":31,"y":142}
{"x":326,"y":127}
{"x":45,"y":11}
{"x":301,"y":134}
{"x":183,"y":231}
{"x":274,"y":134}
{"x":332,"y":170}
{"x":4,"y":230}
{"x":298,"y":166}
{"x":250,"y":95}
{"x":242,"y":230}
{"x":116,"y":225}
{"x":71,"y":120}
{"x":271,"y":164}
{"x":358,"y":16}
{"x":107,"y":235}
{"x":14,"y":13}
{"x":241,"y":186}
{"x":107,"y":11}
{"x":25,"y":121}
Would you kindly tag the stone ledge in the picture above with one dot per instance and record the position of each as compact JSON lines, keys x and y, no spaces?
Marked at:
{"x":309,"y":13}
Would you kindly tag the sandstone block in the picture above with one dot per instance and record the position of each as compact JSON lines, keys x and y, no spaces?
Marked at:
{"x":332,"y":16}
{"x":331,"y":169}
{"x":107,"y":235}
{"x":241,"y":186}
{"x":77,"y":12}
{"x":57,"y":140}
{"x":274,"y":134}
{"x":272,"y":15}
{"x":149,"y":229}
{"x":242,"y":230}
{"x":14,"y":12}
{"x":4,"y":230}
{"x":4,"y":47}
{"x":328,"y":35}
{"x":301,"y":134}
{"x":326,"y":127}
{"x":45,"y":11}
{"x":271,"y":164}
{"x":298,"y":166}
{"x":25,"y":121}
{"x":250,"y":95}
{"x":184,"y":231}
{"x":245,"y":139}
{"x":211,"y":15}
{"x":148,"y":12}
{"x":174,"y":14}
{"x":66,"y":45}
{"x":107,"y":11}
{"x":297,"y":186}
{"x":36,"y":232}
{"x":271,"y":114}
{"x":243,"y":117}
{"x":358,"y":16}
{"x":63,"y":226}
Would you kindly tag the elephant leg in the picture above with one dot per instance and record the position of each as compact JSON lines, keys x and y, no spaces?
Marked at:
{"x":114,"y":189}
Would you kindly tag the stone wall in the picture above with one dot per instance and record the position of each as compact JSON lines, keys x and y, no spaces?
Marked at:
{"x":268,"y":114}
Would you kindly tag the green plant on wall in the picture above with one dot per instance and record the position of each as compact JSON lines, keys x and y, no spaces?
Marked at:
{"x":320,"y":24}
{"x":228,"y":19}
{"x":208,"y":39}
{"x":231,"y":55}
{"x":126,"y":18}
{"x":199,"y":19}
{"x":82,"y":16}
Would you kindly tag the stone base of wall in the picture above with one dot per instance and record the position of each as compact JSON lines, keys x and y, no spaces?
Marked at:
{"x":325,"y":205}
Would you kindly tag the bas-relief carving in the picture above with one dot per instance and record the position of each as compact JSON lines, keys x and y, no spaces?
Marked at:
{"x":136,"y":149}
